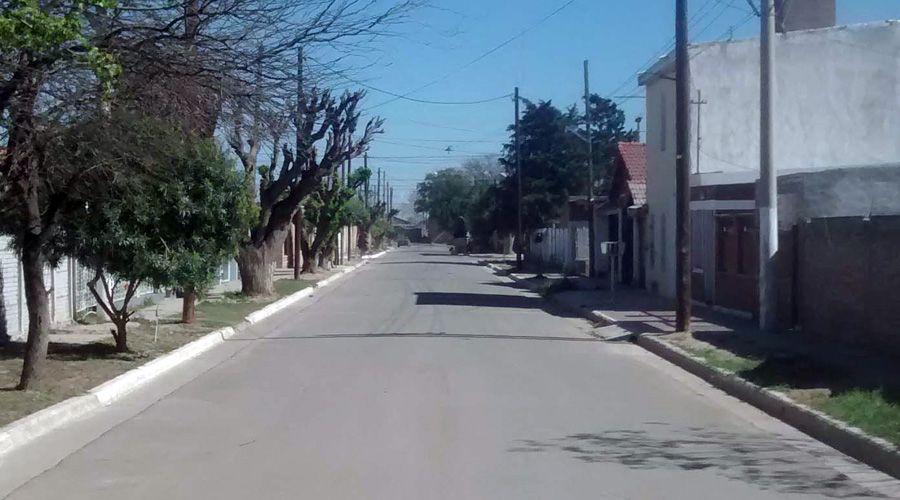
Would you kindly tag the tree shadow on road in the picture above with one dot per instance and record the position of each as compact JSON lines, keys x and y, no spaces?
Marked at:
{"x":771,"y":462}
{"x":428,"y":262}
{"x":489,"y":300}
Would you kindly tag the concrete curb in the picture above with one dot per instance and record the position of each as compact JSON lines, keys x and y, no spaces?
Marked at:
{"x":875,"y":452}
{"x":375,"y":256}
{"x":30,"y":427}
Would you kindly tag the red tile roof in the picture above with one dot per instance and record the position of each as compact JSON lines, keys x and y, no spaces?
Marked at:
{"x":635,"y":160}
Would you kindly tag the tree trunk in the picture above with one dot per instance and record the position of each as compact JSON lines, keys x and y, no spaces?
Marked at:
{"x":309,"y":261}
{"x":38,"y":314}
{"x":121,"y":336}
{"x":189,"y":306}
{"x":308,"y":251}
{"x":362,"y":239}
{"x":257,"y":273}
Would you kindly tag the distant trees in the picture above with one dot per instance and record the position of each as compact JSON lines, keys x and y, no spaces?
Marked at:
{"x":554,"y":166}
{"x":554,"y":160}
{"x":445,"y":196}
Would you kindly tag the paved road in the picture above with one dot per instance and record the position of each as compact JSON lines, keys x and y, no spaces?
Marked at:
{"x":423,"y":376}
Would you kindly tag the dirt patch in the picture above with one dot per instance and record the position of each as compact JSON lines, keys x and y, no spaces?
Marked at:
{"x":73,"y":369}
{"x":75,"y":365}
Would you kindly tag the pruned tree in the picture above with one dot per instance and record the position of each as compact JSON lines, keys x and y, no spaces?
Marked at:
{"x":325,"y":213}
{"x":292,"y":174}
{"x":178,"y":60}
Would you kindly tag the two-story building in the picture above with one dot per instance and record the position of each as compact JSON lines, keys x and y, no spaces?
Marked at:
{"x":836,"y":119}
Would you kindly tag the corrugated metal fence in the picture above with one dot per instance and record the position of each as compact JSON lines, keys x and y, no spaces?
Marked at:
{"x":560,"y":246}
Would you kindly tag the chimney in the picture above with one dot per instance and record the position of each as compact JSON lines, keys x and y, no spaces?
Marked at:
{"x":796,"y":15}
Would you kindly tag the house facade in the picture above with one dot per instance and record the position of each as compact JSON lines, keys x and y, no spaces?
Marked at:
{"x":837,"y":112}
{"x":67,"y":285}
{"x":835,"y":109}
{"x":622,"y":218}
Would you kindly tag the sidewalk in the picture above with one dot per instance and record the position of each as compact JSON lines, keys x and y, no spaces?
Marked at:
{"x":849,"y":383}
{"x":82,"y":356}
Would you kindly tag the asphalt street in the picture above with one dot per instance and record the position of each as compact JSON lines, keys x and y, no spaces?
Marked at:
{"x":424,"y":376}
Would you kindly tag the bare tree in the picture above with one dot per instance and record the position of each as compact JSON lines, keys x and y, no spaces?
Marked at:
{"x":179,"y":60}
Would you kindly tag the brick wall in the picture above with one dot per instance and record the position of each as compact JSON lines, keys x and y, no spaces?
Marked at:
{"x":848,"y":281}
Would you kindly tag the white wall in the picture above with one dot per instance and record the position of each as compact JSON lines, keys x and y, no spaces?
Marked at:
{"x":660,"y":265}
{"x":14,"y":310}
{"x":837,"y":101}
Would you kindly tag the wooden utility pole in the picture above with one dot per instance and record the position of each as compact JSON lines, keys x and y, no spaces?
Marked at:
{"x":699,"y":102}
{"x":682,"y":170}
{"x":592,"y":268}
{"x":520,"y":245}
{"x":767,"y":193}
{"x":298,"y":216}
{"x":366,"y":185}
{"x":347,"y":183}
{"x":378,"y":188}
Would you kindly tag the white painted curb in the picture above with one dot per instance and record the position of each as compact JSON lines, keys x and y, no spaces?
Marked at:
{"x":375,"y":256}
{"x":111,"y":390}
{"x":32,"y":426}
{"x":278,"y":305}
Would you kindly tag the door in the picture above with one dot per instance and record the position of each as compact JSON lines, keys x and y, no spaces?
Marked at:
{"x":737,"y":251}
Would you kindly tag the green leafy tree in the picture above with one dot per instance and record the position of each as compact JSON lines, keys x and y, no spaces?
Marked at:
{"x":554,"y":161}
{"x":173,"y":225}
{"x":445,"y":196}
{"x":44,"y":45}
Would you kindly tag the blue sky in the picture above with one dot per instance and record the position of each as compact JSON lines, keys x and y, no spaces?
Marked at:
{"x":440,"y":44}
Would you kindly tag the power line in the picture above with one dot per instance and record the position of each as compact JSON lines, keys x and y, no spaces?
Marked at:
{"x":454,"y":141}
{"x":487,"y":53}
{"x":665,"y":49}
{"x":430,"y":148}
{"x":427,"y":157}
{"x":730,"y":30}
{"x":405,"y":97}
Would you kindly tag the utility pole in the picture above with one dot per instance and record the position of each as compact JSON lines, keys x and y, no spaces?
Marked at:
{"x":767,"y":193}
{"x":366,"y":185}
{"x":378,"y":188}
{"x":699,"y":102}
{"x":520,"y":245}
{"x":682,"y":170}
{"x":298,"y":216}
{"x":590,"y":164}
{"x":347,"y":183}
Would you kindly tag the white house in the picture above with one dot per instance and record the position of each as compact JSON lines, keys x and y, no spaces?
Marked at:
{"x":68,"y":291}
{"x":837,"y":106}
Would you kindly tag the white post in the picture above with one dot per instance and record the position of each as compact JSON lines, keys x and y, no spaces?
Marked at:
{"x":767,"y":192}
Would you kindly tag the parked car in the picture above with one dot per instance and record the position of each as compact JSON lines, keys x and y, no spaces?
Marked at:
{"x":403,"y":241}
